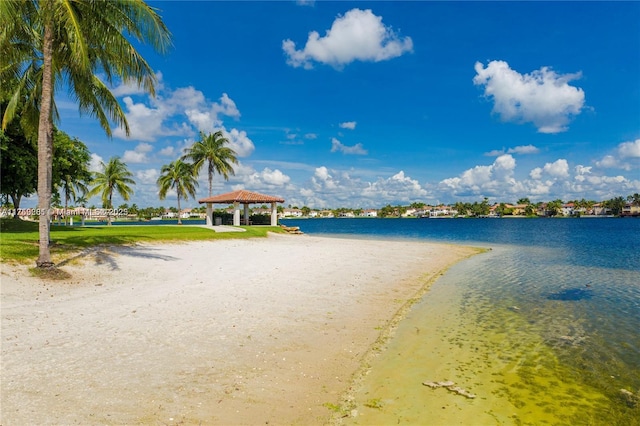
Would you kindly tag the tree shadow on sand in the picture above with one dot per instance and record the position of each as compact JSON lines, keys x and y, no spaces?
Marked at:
{"x":109,"y":255}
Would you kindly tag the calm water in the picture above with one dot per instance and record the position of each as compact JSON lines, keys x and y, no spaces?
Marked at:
{"x":544,"y":328}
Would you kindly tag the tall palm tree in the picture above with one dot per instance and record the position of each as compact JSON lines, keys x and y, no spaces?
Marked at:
{"x":179,"y":176}
{"x":554,"y":207}
{"x":81,"y":200}
{"x":73,"y":190}
{"x":114,"y":177}
{"x":212,"y":149}
{"x":44,"y":44}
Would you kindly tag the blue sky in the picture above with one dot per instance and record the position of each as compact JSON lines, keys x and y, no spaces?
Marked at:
{"x":363,"y":104}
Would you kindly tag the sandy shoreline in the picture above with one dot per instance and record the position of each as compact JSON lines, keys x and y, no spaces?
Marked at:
{"x":261,"y":331}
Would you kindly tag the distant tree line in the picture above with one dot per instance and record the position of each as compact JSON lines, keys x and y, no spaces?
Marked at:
{"x":483,"y":208}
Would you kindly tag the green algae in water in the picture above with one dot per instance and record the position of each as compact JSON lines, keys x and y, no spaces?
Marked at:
{"x":537,"y":363}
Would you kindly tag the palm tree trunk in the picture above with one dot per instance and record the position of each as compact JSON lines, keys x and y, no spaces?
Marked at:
{"x":45,"y":150}
{"x":179,"y":218}
{"x":109,"y":207}
{"x":66,"y":207}
{"x":210,"y":179}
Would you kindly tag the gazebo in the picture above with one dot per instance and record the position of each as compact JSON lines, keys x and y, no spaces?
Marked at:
{"x":245,"y":198}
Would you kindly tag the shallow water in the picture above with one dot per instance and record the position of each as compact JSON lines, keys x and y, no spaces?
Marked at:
{"x":543,"y":329}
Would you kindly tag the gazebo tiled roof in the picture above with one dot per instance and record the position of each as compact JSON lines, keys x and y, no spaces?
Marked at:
{"x":241,"y":196}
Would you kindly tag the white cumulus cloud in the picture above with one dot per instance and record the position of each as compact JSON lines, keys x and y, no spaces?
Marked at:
{"x":226,"y":107}
{"x":138,"y":155}
{"x":582,"y":172}
{"x":626,"y":156}
{"x":267,"y":177}
{"x":351,"y":125}
{"x":522,"y":149}
{"x":543,"y":97}
{"x":358,"y":35}
{"x":322,"y":173}
{"x":95,"y":163}
{"x":357,"y":149}
{"x":181,"y":112}
{"x":239,"y":142}
{"x":168,"y":151}
{"x":489,"y":180}
{"x":629,"y":149}
{"x":607,"y":161}
{"x":397,"y":187}
{"x":147,"y":177}
{"x":557,"y":169}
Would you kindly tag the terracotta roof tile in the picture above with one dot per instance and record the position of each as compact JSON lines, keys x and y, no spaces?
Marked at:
{"x":241,"y":196}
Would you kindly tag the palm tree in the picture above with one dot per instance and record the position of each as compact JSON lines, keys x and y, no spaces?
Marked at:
{"x":179,"y":176}
{"x":81,"y":200}
{"x":211,"y":149}
{"x":554,"y":207}
{"x":114,"y":177}
{"x":460,"y":208}
{"x":73,"y":191}
{"x":524,"y":200}
{"x":46,"y":43}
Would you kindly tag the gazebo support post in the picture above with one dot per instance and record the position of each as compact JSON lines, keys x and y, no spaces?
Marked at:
{"x":236,"y":213}
{"x":274,"y":215}
{"x":209,"y":215}
{"x":246,"y":214}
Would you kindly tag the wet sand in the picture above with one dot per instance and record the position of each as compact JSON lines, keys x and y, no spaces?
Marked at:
{"x":260,"y":331}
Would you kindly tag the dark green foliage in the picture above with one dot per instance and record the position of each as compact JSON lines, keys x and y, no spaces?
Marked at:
{"x":18,"y":165}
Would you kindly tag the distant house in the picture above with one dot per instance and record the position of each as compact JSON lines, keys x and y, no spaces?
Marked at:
{"x":519,"y":209}
{"x":261,"y":211}
{"x":442,"y":211}
{"x":541,"y":210}
{"x":568,"y":209}
{"x":409,"y":212}
{"x":369,"y":213}
{"x":292,"y":213}
{"x":600,"y":210}
{"x":630,"y":209}
{"x":187,"y":213}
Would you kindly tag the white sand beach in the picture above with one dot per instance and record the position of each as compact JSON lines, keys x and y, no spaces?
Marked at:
{"x":260,"y":331}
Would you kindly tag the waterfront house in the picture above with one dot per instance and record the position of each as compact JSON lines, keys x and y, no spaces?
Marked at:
{"x":347,"y":214}
{"x":600,"y":210}
{"x":630,"y":209}
{"x":369,"y":213}
{"x":568,"y":209}
{"x":292,"y":213}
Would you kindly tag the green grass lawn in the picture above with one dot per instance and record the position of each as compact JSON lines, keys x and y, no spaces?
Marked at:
{"x":19,"y":239}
